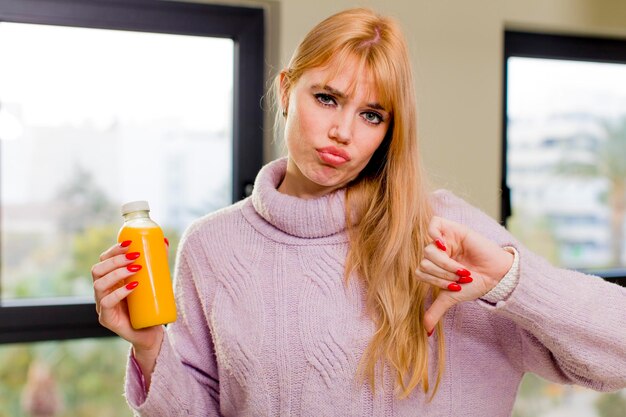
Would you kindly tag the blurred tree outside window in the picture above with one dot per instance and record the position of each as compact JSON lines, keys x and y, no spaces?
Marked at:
{"x":82,"y":378}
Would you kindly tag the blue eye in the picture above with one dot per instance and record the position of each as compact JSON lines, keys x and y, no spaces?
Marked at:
{"x":372,"y":117}
{"x":325,"y":99}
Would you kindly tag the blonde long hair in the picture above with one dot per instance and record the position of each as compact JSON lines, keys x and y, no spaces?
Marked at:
{"x":388,"y":201}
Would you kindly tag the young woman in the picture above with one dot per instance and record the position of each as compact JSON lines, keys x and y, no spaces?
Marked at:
{"x":342,"y":287}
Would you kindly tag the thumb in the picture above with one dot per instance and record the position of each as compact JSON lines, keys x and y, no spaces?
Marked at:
{"x":436,"y":311}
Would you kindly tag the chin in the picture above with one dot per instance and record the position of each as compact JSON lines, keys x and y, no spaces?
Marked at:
{"x":333,"y":183}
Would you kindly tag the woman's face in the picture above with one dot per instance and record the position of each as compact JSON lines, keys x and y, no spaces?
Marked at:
{"x":330,"y":134}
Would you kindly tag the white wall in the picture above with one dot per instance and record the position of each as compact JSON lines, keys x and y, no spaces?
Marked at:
{"x":457,"y":55}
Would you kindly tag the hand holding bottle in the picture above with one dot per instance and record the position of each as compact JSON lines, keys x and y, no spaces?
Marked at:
{"x":132,"y":285}
{"x":116,"y":265}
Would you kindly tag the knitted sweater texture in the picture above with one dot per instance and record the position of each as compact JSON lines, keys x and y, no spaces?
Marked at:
{"x":267,"y":326}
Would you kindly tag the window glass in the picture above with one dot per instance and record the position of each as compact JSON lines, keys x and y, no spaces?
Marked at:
{"x":566,"y":160}
{"x":92,"y":118}
{"x":566,"y":169}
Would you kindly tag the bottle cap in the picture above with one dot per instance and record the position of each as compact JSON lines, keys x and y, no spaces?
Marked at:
{"x":135,"y":206}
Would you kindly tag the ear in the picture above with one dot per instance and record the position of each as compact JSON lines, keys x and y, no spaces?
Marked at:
{"x":285,"y":88}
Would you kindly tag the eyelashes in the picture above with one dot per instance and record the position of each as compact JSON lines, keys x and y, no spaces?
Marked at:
{"x":371,"y":117}
{"x":325,"y":99}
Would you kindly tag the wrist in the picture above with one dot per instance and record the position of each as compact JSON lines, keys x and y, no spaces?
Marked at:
{"x":146,"y":357}
{"x":507,"y":283}
{"x":149,"y":339}
{"x":149,"y":351}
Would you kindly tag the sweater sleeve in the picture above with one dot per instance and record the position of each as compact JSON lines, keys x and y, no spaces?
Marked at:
{"x":569,"y":326}
{"x":185,"y":378}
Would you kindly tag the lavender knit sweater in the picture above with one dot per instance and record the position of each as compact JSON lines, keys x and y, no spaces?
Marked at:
{"x":267,"y":328}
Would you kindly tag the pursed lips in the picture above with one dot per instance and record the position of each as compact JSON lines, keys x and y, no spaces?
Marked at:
{"x":333,"y":155}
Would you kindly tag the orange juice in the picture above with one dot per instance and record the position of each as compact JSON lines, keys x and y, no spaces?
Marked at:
{"x":152,"y":301}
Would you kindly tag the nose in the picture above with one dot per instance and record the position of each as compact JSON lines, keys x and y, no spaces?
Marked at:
{"x":341,"y":129}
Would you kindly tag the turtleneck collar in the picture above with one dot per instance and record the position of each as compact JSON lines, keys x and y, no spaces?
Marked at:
{"x":306,"y":218}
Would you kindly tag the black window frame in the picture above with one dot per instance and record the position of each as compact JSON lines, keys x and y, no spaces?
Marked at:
{"x":553,"y":46}
{"x":67,"y":318}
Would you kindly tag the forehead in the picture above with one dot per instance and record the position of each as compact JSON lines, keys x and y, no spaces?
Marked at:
{"x":347,"y":77}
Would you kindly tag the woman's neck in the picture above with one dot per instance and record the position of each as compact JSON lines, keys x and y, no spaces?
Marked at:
{"x":295,"y":184}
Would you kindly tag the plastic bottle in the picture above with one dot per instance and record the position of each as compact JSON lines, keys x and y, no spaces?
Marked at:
{"x":152,"y":301}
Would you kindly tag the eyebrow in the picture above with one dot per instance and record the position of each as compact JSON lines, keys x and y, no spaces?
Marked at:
{"x":342,"y":95}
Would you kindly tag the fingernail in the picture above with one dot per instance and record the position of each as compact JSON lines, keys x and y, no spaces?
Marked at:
{"x":167,"y":242}
{"x":133,"y":268}
{"x":440,"y":245}
{"x":126,"y":243}
{"x":463,"y":272}
{"x":465,"y":280}
{"x":453,"y":286}
{"x":132,"y":255}
{"x":430,"y":333}
{"x":132,"y":285}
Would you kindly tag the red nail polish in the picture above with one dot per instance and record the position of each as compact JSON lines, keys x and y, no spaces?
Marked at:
{"x":453,"y":286}
{"x":132,"y":285}
{"x":133,"y":268}
{"x":440,"y":245}
{"x":463,"y":272}
{"x":126,"y":243}
{"x":167,"y":242}
{"x":132,"y":255}
{"x":465,"y":280}
{"x":430,"y":333}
